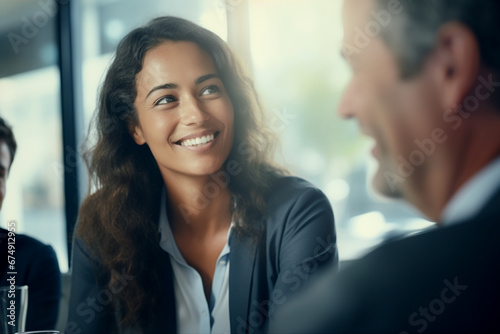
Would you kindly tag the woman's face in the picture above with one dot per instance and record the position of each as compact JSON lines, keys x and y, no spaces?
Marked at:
{"x":185,"y":114}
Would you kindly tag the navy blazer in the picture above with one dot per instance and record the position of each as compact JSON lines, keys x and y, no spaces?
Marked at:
{"x":37,"y":267}
{"x":445,"y":280}
{"x":299,"y":241}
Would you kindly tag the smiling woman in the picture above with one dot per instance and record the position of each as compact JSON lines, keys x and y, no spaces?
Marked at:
{"x":191,"y":227}
{"x":181,"y":102}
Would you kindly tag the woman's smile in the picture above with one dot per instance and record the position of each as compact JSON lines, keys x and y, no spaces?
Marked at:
{"x":199,"y":143}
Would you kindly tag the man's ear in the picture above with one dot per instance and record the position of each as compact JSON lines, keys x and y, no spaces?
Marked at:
{"x":138,"y":135}
{"x":457,"y":61}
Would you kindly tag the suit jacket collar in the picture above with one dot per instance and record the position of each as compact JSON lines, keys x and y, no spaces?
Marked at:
{"x":241,"y":272}
{"x":168,"y":322}
{"x":492,"y":207}
{"x":242,"y":264}
{"x":489,"y":211}
{"x":469,"y":200}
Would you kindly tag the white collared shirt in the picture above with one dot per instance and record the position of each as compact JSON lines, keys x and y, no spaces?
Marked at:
{"x":473,"y":195}
{"x":194,"y":314}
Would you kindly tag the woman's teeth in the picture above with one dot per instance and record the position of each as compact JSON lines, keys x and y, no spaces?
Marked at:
{"x":198,"y":141}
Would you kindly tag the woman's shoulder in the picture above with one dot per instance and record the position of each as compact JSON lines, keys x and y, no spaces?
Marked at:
{"x":289,"y":191}
{"x":298,"y":212}
{"x":290,"y":187}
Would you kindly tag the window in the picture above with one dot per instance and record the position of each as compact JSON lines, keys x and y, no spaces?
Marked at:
{"x":290,"y":46}
{"x":300,"y":76}
{"x":30,"y":103}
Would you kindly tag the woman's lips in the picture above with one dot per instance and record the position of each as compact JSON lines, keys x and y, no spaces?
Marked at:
{"x":199,"y":144}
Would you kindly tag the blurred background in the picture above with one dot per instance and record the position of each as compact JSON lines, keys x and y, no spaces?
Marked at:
{"x":54,"y":55}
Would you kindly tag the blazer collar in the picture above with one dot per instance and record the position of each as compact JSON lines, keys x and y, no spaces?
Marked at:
{"x":492,"y":207}
{"x":471,"y":198}
{"x":242,"y":263}
{"x":241,"y":271}
{"x":167,"y":323}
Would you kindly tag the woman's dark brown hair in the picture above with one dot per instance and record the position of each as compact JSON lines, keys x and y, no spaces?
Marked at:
{"x":119,"y":219}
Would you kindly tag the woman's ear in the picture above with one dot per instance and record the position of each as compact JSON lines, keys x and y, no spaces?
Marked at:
{"x":138,"y":135}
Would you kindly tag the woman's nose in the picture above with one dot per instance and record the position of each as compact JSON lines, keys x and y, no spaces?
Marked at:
{"x":192,"y":113}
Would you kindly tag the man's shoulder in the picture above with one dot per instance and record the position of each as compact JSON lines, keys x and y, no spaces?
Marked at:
{"x":29,"y":245}
{"x":451,"y":272}
{"x":394,"y":284}
{"x":468,"y":249}
{"x":437,"y":248}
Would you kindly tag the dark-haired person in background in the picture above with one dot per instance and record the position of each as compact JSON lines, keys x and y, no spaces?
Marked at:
{"x":426,"y":89}
{"x":36,"y":263}
{"x":191,"y":229}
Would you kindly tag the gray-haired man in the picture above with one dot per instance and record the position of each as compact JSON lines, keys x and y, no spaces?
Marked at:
{"x":426,"y":76}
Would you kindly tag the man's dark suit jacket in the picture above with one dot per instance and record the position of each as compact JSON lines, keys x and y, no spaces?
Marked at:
{"x":37,"y":267}
{"x":298,"y":242}
{"x":446,"y":280}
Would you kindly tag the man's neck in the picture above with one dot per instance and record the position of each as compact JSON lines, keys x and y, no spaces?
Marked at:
{"x":470,"y":149}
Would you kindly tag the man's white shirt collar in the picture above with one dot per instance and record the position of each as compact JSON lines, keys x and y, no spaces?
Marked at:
{"x":473,"y":195}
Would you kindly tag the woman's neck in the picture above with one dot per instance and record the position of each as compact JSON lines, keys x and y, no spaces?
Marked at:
{"x":198,"y":206}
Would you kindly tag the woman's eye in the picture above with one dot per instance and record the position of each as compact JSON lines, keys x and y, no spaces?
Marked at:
{"x":165,"y":100}
{"x":210,"y":90}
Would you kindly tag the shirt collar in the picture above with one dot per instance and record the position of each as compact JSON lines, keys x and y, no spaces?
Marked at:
{"x":473,"y":195}
{"x":167,"y":241}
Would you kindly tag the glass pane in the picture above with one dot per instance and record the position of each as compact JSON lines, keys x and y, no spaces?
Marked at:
{"x":300,"y":76}
{"x":30,"y":103}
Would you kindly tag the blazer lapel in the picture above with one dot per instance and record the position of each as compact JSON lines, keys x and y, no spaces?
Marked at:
{"x":241,"y":268}
{"x":167,"y":321}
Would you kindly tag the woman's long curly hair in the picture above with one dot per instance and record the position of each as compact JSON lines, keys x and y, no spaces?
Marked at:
{"x":119,"y":219}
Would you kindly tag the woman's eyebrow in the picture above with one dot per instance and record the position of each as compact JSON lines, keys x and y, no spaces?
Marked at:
{"x":164,"y":86}
{"x":205,"y":78}
{"x":174,"y":86}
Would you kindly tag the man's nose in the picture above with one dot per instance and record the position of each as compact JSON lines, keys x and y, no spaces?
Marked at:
{"x":346,"y":107}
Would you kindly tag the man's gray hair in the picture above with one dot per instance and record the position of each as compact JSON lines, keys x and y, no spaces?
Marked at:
{"x":412,"y":33}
